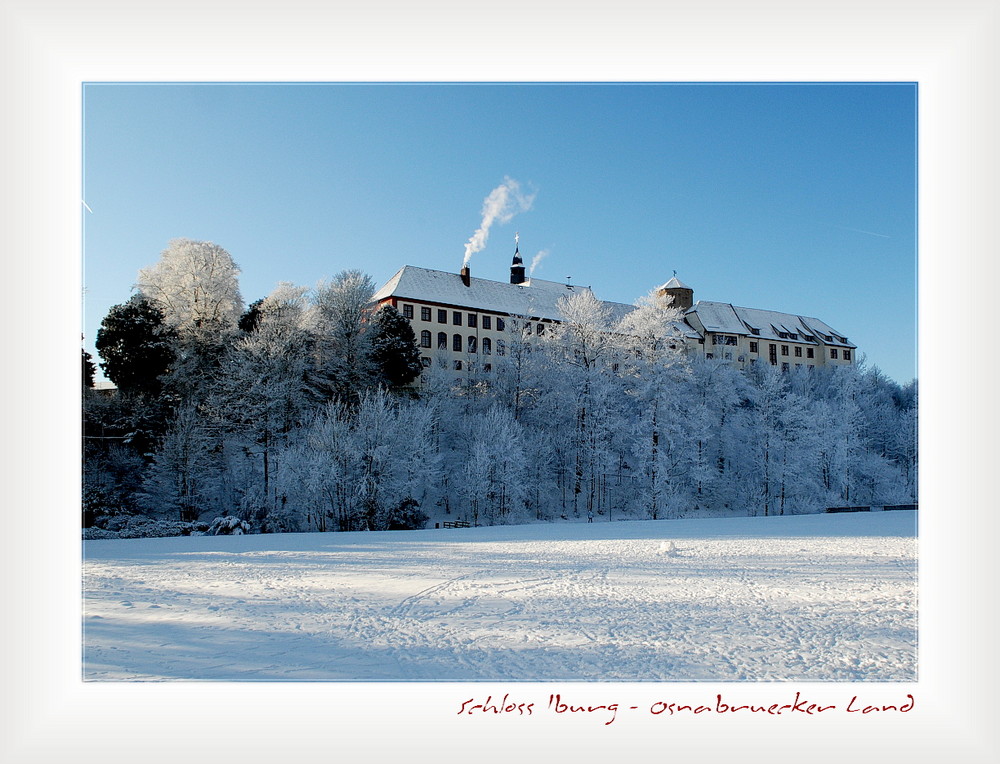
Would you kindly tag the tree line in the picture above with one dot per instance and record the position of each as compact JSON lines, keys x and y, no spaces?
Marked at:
{"x":297,"y":413}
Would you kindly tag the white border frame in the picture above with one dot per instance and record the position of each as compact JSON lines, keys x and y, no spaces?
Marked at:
{"x":49,"y":49}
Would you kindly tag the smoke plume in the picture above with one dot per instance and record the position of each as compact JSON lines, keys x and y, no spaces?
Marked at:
{"x":536,"y":260}
{"x":502,"y":204}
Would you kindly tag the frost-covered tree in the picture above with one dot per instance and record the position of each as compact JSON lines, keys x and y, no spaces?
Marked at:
{"x":341,"y":364}
{"x":393,"y":348}
{"x":651,"y":341}
{"x":259,"y":396}
{"x":494,"y":476}
{"x":136,"y":347}
{"x":184,"y":476}
{"x":196,"y":285}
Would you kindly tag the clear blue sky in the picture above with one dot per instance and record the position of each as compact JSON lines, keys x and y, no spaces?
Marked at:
{"x":797,"y":198}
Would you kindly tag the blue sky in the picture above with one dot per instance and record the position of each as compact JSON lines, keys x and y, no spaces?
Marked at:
{"x":790,"y":197}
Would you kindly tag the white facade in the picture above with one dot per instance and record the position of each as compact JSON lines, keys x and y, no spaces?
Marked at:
{"x":460,"y":320}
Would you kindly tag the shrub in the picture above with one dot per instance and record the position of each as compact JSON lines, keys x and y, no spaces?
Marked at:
{"x":228,"y":526}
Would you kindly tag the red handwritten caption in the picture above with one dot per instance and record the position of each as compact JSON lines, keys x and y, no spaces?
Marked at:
{"x":609,"y":711}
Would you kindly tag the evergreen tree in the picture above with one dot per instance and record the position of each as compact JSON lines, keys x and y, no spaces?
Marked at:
{"x":136,"y":346}
{"x":393,"y":349}
{"x":251,"y":317}
{"x":88,"y":369}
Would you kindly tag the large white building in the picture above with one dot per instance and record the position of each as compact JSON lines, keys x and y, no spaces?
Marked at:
{"x":459,"y":319}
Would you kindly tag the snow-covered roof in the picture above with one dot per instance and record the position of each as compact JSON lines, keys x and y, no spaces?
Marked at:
{"x":732,"y":319}
{"x":535,"y":298}
{"x":674,"y":283}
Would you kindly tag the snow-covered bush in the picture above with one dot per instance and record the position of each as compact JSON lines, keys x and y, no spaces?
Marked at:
{"x":98,"y":533}
{"x":228,"y":526}
{"x":147,"y":527}
{"x":408,"y":516}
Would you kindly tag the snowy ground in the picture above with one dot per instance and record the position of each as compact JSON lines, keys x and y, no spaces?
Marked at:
{"x":807,"y":598}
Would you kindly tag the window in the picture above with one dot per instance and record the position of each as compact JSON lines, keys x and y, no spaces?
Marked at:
{"x":798,"y":352}
{"x":487,"y":346}
{"x":723,"y":339}
{"x":487,"y":322}
{"x":472,"y":344}
{"x":425,"y":339}
{"x":833,"y":352}
{"x":472,"y":320}
{"x":709,"y":355}
{"x":458,"y":366}
{"x":408,"y":312}
{"x":425,"y":314}
{"x":442,"y":341}
{"x":753,"y":347}
{"x":539,"y":328}
{"x":784,"y":367}
{"x":809,"y":353}
{"x":784,"y":349}
{"x":500,"y":324}
{"x":425,"y":362}
{"x":456,"y":343}
{"x":487,"y":367}
{"x":772,"y":353}
{"x":754,"y":332}
{"x":729,"y":355}
{"x":501,"y":346}
{"x":847,"y":355}
{"x":442,"y":317}
{"x":456,"y":317}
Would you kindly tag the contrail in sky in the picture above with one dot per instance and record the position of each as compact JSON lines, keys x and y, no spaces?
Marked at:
{"x":87,"y":206}
{"x":503,"y":203}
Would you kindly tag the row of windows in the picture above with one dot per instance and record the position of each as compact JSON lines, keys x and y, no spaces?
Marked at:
{"x":459,"y":344}
{"x":797,"y":351}
{"x":456,"y":365}
{"x":472,"y":320}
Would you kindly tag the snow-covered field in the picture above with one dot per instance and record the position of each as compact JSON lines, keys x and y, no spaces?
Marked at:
{"x":803,"y":598}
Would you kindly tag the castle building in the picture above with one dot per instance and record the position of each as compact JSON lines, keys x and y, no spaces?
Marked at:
{"x":460,"y":320}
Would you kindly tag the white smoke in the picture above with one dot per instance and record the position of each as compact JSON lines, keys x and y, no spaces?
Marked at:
{"x":536,"y":260}
{"x":502,"y":204}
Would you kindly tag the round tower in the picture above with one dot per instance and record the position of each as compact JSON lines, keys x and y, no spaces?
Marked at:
{"x":680,"y":294}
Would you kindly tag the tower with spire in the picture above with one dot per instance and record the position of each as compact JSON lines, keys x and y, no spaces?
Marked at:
{"x":517,"y":265}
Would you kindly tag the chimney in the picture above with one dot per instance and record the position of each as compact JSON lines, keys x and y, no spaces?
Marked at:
{"x":465,"y":273}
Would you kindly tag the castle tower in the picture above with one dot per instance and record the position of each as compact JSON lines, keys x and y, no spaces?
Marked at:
{"x":517,"y":265}
{"x":680,"y":294}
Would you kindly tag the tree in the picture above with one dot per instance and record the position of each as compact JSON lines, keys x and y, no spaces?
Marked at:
{"x":196,"y":285}
{"x":184,"y":475}
{"x":136,"y":346}
{"x":249,"y":320}
{"x":341,"y":364}
{"x":650,"y":335}
{"x":393,"y":348}
{"x":258,"y":395}
{"x":88,"y":369}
